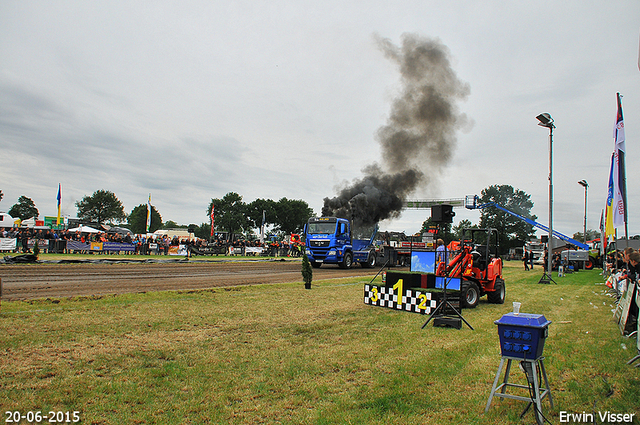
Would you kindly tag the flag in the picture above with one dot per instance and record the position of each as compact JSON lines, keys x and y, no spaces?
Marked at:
{"x":149,"y":214}
{"x":608,"y":212}
{"x":212,"y":219}
{"x":59,"y":199}
{"x":619,"y":205}
{"x":603,"y":239}
{"x":264,"y":220}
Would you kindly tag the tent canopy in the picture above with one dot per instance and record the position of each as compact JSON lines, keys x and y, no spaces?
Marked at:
{"x":84,"y":229}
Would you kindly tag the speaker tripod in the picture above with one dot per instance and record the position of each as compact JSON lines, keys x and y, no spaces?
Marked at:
{"x":442,"y":318}
{"x":546,"y":278}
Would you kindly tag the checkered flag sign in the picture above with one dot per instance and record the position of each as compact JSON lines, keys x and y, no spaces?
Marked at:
{"x":412,"y":301}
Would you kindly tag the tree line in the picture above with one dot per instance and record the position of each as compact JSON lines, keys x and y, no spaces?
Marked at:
{"x":231,"y":214}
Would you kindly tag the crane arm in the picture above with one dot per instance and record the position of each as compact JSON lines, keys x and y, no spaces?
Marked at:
{"x":531,"y":222}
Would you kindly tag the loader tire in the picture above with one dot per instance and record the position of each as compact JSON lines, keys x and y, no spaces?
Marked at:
{"x":497,"y":296}
{"x":469,"y":294}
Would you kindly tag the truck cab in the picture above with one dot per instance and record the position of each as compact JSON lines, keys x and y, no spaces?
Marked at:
{"x":329,"y":241}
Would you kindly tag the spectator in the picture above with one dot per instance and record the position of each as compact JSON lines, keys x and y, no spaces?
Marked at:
{"x":441,"y":251}
{"x":525,"y":260}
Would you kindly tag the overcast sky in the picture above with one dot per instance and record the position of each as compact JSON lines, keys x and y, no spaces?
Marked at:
{"x":190,"y":100}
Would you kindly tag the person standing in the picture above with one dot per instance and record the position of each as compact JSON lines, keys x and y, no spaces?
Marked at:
{"x":441,"y":252}
{"x":525,"y":260}
{"x":531,"y":259}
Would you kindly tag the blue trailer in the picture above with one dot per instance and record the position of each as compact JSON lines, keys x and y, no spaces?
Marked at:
{"x":331,"y":240}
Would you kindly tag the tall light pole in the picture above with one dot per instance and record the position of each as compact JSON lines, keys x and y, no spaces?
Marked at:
{"x":584,"y":184}
{"x":546,"y":121}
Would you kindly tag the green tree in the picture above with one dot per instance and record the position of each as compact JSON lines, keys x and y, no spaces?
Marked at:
{"x":292,"y":215}
{"x":137,"y":219}
{"x":230,"y":214}
{"x":255,"y":211}
{"x":24,"y":209}
{"x":458,"y":230}
{"x":101,"y":207}
{"x":510,"y":228}
{"x":591,"y":235}
{"x":203,"y":231}
{"x":307,"y":272}
{"x":170,"y":224}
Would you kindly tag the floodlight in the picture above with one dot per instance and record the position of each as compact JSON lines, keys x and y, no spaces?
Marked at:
{"x":545,"y":120}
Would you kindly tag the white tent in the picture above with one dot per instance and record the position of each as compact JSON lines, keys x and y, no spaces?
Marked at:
{"x":84,"y":229}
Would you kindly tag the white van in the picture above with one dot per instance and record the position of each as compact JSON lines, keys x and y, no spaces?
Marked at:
{"x":7,"y":221}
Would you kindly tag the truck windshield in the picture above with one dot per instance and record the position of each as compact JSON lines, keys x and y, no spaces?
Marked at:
{"x":326,"y":228}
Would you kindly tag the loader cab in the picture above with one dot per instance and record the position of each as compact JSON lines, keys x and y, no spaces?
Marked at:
{"x":484,"y":246}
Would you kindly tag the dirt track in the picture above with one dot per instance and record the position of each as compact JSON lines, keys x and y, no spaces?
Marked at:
{"x":30,"y":281}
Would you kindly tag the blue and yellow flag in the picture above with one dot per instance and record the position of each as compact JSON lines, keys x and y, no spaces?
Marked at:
{"x":149,"y":213}
{"x":59,"y":199}
{"x":619,"y":204}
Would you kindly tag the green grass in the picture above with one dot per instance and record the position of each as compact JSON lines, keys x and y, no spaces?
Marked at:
{"x":282,"y":354}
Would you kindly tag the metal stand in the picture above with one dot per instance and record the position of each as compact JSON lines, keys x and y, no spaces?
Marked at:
{"x":634,"y":359}
{"x":443,"y":319}
{"x":546,"y":278}
{"x":536,"y":395}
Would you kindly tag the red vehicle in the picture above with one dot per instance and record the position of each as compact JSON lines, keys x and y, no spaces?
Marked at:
{"x":478,"y":266}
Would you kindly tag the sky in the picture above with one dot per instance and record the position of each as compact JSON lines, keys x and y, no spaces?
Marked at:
{"x":188,"y":101}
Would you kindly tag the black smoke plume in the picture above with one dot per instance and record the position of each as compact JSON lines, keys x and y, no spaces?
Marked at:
{"x":418,"y":139}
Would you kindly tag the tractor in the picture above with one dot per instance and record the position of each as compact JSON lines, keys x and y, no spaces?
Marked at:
{"x":478,"y":266}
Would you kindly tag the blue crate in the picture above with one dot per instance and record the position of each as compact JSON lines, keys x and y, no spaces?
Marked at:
{"x":522,"y":335}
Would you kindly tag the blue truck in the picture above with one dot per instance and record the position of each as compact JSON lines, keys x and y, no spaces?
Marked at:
{"x":331,"y":240}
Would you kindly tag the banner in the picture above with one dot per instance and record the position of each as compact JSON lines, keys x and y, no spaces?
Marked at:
{"x":178,"y":250}
{"x":118,"y":246}
{"x":619,"y":206}
{"x":8,"y":244}
{"x":78,"y":246}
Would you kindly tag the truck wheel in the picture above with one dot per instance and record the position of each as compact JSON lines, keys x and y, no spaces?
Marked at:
{"x":497,"y":296}
{"x":315,"y":264}
{"x":469,"y":294}
{"x":589,"y":264}
{"x":347,"y":261}
{"x":371,"y":261}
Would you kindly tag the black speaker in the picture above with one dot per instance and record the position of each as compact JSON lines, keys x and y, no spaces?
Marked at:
{"x":442,"y":213}
{"x":544,"y":238}
{"x":436,"y":213}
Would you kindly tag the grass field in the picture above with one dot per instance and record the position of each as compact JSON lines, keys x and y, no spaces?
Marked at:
{"x":282,"y":354}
